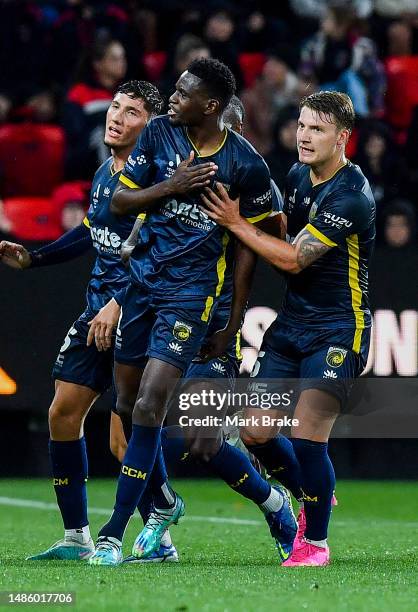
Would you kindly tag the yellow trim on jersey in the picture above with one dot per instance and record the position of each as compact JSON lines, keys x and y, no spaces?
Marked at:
{"x":208,"y":308}
{"x":220,"y":269}
{"x":356,"y":293}
{"x":329,"y":178}
{"x":315,"y":232}
{"x":238,"y":353}
{"x":126,"y":181}
{"x":86,"y":222}
{"x":259,"y":217}
{"x":212,"y":152}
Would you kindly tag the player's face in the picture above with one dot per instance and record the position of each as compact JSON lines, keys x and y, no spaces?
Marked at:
{"x":188,"y":103}
{"x":318,"y":140}
{"x":125,"y":120}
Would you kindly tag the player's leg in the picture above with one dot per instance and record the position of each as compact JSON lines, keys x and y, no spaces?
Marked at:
{"x":171,"y":343}
{"x":82,"y":373}
{"x":140,"y":457}
{"x":272,"y":449}
{"x":316,"y":412}
{"x":118,"y":446}
{"x":68,"y":457}
{"x":318,"y":407}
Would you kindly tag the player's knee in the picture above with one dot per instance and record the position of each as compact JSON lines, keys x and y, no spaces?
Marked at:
{"x":124,"y":406}
{"x":204,"y":449}
{"x":66,"y":418}
{"x":149,"y":408}
{"x":253,"y":437}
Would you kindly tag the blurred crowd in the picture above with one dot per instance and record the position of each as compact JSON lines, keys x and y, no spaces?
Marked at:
{"x":62,"y":60}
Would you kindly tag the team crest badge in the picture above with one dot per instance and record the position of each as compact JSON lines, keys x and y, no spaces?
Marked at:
{"x":181,"y":331}
{"x":312,"y":211}
{"x":335,"y":356}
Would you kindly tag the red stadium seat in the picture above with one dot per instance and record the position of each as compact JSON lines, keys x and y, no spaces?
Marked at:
{"x":251,"y":65}
{"x":31,"y":159}
{"x":402,"y":89}
{"x":154,"y":64}
{"x":34,"y":219}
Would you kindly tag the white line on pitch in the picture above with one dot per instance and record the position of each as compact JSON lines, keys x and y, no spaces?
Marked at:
{"x":17,"y":502}
{"x":40,"y":505}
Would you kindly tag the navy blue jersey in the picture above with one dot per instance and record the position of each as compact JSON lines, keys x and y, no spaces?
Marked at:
{"x":108,"y":231}
{"x":221,"y":315}
{"x":340,"y":212}
{"x":182,"y":251}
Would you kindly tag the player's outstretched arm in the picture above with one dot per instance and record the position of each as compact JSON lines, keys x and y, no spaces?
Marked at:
{"x":70,"y":245}
{"x":14,"y":255}
{"x":129,"y":198}
{"x":291,"y":258}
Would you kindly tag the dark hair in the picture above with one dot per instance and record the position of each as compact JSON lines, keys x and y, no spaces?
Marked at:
{"x":95,"y":53}
{"x":153,"y":102}
{"x":217,"y":78}
{"x":332,"y":103}
{"x":235,"y":108}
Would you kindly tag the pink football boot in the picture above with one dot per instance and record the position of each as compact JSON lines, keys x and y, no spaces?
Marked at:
{"x":302,"y":524}
{"x":308,"y":554}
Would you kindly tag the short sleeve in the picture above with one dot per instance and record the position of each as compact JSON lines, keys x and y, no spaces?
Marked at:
{"x":255,"y":193}
{"x":139,"y":168}
{"x":344,"y":213}
{"x":277,"y":198}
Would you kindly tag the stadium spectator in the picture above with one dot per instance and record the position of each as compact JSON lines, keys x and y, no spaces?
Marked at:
{"x":284,"y":152}
{"x":379,"y":159}
{"x":72,"y":200}
{"x":189,"y":47}
{"x":86,"y":105}
{"x":277,"y":87}
{"x":328,"y":56}
{"x":399,"y":229}
{"x":219,"y":33}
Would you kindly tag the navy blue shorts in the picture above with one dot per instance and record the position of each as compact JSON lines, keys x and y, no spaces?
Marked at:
{"x":153,"y":327}
{"x":224,"y":367}
{"x":320,"y":358}
{"x":81,"y":364}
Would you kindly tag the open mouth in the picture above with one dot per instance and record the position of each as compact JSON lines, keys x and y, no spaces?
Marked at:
{"x":171,"y":111}
{"x":113,"y":131}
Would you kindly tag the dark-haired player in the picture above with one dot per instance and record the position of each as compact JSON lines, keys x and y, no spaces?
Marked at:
{"x":177,"y":274}
{"x":83,"y":369}
{"x":196,"y":443}
{"x":322,"y":332}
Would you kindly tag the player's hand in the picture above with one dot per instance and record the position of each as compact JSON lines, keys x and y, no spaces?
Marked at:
{"x":215,"y":346}
{"x":219,"y":206}
{"x":188,"y":178}
{"x":102,"y":326}
{"x":14,"y":255}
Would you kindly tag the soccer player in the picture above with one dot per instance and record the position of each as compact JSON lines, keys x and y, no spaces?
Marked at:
{"x":177,"y":274}
{"x":83,"y":369}
{"x":322,"y":332}
{"x":202,"y":443}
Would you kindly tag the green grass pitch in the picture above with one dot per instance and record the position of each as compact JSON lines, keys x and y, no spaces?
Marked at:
{"x":225,"y":565}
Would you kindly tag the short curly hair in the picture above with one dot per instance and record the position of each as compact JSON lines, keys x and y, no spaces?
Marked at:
{"x":153,"y":102}
{"x":217,"y":78}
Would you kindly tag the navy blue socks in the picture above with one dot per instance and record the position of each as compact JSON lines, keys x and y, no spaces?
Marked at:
{"x":133,"y":479}
{"x":318,"y":484}
{"x":279,"y":458}
{"x":69,"y":470}
{"x":235,"y":468}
